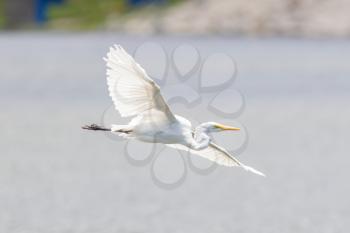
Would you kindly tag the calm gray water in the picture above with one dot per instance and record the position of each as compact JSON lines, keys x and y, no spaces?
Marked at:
{"x":54,"y":177}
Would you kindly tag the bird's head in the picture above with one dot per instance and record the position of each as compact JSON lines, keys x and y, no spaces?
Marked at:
{"x":217,"y":127}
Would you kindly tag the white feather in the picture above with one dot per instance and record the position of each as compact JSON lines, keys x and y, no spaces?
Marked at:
{"x":218,"y":155}
{"x":131,"y":89}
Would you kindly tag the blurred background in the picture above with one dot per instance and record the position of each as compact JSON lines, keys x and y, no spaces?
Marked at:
{"x":273,"y":17}
{"x":292,"y":58}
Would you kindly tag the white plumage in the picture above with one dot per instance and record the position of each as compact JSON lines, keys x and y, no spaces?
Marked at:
{"x":134,"y":93}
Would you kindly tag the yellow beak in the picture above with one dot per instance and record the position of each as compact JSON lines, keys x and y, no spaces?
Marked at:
{"x":225,"y":127}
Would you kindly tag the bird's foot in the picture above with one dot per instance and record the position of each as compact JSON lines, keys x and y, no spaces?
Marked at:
{"x":94,"y":127}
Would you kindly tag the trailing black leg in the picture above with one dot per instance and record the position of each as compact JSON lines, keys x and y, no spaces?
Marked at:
{"x":95,"y":127}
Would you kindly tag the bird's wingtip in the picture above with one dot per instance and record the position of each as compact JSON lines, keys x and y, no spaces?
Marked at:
{"x":247,"y":168}
{"x":118,"y":47}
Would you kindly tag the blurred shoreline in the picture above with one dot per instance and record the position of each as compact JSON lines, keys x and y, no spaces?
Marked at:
{"x":225,"y":18}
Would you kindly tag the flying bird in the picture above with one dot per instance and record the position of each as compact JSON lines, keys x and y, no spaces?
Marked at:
{"x":135,"y":94}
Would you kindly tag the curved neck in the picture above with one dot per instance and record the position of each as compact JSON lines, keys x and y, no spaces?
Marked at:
{"x":201,"y":138}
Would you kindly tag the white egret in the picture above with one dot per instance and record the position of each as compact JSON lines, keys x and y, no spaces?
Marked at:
{"x":134,"y":93}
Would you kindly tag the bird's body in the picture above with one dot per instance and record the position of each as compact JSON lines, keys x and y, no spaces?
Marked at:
{"x":134,"y":93}
{"x":146,"y":130}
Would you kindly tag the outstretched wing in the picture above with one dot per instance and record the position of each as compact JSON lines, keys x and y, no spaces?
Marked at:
{"x":131,"y":89}
{"x":218,"y":155}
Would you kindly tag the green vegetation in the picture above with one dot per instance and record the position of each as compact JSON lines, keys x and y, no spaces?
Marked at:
{"x":84,"y":14}
{"x":88,"y":14}
{"x":2,"y":14}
